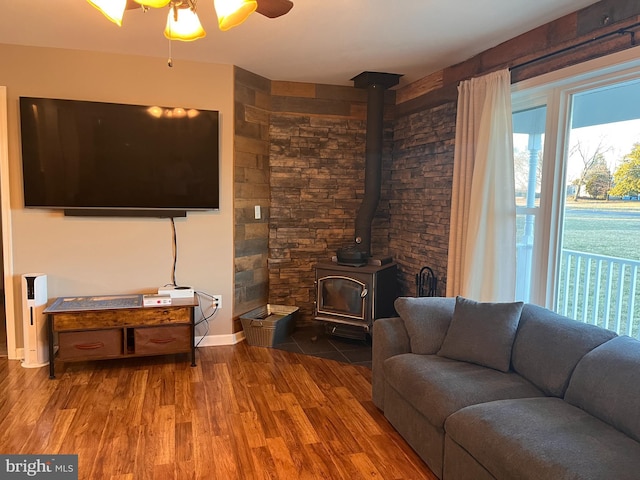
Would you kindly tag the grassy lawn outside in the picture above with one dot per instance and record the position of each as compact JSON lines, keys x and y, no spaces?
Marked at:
{"x":590,"y":204}
{"x":603,"y":228}
{"x":610,"y":229}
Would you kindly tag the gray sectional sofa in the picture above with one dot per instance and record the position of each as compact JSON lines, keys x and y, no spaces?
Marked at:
{"x":508,"y":391}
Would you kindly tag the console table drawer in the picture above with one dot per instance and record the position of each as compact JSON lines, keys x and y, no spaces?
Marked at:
{"x":90,"y":345}
{"x":120,"y":318}
{"x":159,"y":340}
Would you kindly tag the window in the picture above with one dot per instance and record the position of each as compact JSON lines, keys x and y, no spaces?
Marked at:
{"x":528,"y":143}
{"x":578,"y":212}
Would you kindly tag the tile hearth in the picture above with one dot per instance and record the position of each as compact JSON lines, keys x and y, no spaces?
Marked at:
{"x":312,"y":340}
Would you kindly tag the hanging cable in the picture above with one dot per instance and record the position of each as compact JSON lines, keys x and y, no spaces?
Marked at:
{"x":175,"y":252}
{"x":205,"y":318}
{"x":169,"y":24}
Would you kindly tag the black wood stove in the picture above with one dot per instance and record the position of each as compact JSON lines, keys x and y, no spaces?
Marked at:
{"x":355,"y":289}
{"x":349,"y":298}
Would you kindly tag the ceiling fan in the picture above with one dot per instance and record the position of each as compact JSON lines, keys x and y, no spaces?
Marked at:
{"x":183,"y":23}
{"x":268,"y":8}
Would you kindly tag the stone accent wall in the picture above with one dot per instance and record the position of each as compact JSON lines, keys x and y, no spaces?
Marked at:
{"x":252,"y":106}
{"x":317,"y":182}
{"x":420,"y":193}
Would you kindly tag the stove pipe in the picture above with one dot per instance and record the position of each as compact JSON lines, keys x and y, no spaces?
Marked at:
{"x":375,"y":83}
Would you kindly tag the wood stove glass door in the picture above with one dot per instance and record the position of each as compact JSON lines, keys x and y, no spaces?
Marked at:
{"x":342,"y":296}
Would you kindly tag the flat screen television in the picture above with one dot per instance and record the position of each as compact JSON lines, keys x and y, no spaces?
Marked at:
{"x":94,"y":158}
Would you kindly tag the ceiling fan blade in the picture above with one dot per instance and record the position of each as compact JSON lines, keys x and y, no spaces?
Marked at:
{"x":274,"y":8}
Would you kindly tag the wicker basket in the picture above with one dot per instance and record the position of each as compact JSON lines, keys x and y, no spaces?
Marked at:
{"x":268,"y":325}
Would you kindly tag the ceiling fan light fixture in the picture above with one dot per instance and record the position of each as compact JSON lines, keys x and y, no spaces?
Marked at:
{"x":112,"y":9}
{"x":183,"y":24}
{"x":153,"y":3}
{"x":232,"y":13}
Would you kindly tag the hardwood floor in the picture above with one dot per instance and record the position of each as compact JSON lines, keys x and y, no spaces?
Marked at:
{"x":3,"y":325}
{"x":243,"y":413}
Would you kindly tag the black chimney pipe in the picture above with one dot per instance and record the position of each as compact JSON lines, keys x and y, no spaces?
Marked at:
{"x":375,"y":83}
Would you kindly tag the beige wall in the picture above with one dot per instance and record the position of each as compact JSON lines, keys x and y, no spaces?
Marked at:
{"x":87,"y":256}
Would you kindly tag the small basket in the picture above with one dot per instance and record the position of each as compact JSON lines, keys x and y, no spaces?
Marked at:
{"x":268,"y":325}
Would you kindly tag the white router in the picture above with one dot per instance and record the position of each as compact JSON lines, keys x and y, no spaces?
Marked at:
{"x":176,"y":292}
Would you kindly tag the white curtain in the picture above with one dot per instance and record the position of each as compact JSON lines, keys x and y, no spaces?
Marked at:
{"x":482,"y":242}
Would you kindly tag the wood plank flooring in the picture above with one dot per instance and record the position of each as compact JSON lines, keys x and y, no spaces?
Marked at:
{"x":243,"y":413}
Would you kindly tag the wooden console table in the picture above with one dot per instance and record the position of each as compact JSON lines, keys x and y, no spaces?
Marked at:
{"x":118,"y":326}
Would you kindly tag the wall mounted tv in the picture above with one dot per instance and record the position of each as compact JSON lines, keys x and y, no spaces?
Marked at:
{"x":93,"y":158}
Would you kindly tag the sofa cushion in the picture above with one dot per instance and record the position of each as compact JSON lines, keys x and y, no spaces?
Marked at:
{"x":606,"y":384}
{"x":438,"y":386}
{"x":542,"y":439}
{"x":482,"y":333}
{"x":426,"y":320}
{"x":548,"y":346}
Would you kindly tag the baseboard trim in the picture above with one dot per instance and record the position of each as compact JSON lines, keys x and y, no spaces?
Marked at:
{"x":219,"y":340}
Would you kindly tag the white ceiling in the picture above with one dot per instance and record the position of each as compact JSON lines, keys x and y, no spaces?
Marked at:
{"x":320,"y":41}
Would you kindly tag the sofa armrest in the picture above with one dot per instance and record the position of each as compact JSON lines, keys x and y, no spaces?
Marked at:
{"x":427,"y":321}
{"x":390,"y":338}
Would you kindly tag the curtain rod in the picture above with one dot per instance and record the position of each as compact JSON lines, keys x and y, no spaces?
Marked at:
{"x":622,"y":31}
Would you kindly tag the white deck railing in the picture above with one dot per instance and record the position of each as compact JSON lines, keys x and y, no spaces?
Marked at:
{"x":600,"y":290}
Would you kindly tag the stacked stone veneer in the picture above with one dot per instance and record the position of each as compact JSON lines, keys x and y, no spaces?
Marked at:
{"x":420,"y":193}
{"x":317,"y":158}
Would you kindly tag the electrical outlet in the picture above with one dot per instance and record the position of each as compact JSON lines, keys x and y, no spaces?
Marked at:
{"x":217,"y":301}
